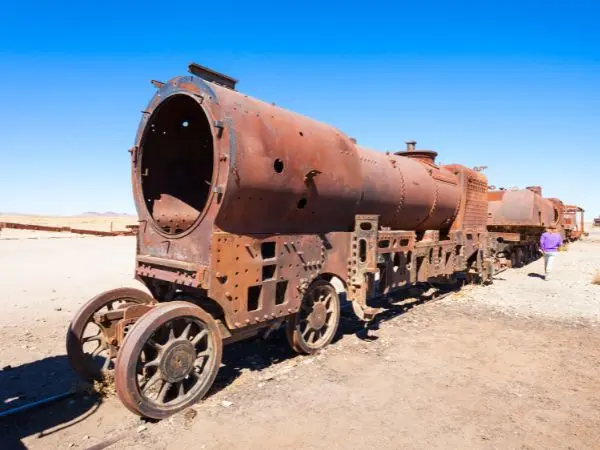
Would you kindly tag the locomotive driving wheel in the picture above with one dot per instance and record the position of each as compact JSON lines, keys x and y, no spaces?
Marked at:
{"x":168,"y":360}
{"x":91,"y":344}
{"x":315,"y":324}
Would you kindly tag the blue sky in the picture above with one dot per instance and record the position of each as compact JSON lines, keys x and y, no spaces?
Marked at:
{"x":511,"y":85}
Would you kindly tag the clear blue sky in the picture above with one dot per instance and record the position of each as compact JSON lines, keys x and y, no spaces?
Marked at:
{"x":511,"y":85}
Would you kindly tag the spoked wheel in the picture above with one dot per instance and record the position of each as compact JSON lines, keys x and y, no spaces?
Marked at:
{"x":91,"y":344}
{"x":168,"y":360}
{"x":315,"y":324}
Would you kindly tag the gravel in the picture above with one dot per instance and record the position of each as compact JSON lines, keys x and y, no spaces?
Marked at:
{"x":568,"y":295}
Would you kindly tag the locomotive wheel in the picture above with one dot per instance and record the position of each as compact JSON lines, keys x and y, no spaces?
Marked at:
{"x":97,"y":361}
{"x":315,"y":324}
{"x":168,"y":360}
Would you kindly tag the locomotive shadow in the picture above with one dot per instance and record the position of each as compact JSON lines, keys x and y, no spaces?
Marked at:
{"x":392,"y":306}
{"x":257,"y":354}
{"x":33,"y":382}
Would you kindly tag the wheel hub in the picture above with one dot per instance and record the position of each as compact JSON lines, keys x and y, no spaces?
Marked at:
{"x":177,"y":360}
{"x":318,"y":316}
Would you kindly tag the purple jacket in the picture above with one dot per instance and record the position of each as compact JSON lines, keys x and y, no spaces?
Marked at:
{"x":549,"y":242}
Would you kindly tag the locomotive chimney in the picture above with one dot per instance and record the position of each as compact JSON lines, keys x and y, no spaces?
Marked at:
{"x":425,"y":156}
{"x":536,"y":189}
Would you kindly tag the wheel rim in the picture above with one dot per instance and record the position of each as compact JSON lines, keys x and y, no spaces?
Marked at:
{"x":317,"y":318}
{"x":91,"y":346}
{"x":168,"y":360}
{"x":173,"y":361}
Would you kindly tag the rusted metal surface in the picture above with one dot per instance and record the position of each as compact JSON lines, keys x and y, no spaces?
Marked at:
{"x":573,"y":222}
{"x":519,"y":208}
{"x":249,"y":211}
{"x":25,"y":226}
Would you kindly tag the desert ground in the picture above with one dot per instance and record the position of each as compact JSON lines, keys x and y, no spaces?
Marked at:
{"x":509,"y":365}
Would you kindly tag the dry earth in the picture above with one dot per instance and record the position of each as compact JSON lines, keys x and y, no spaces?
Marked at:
{"x":511,"y":365}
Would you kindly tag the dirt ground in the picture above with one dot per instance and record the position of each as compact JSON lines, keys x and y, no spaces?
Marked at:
{"x":511,"y":365}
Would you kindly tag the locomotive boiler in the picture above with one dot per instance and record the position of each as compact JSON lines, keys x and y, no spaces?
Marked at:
{"x":247,"y":214}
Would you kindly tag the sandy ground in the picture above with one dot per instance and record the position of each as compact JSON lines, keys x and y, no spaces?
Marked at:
{"x":511,"y":365}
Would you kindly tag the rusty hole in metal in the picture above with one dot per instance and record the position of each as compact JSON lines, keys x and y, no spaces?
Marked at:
{"x":459,"y":249}
{"x":384,"y":244}
{"x":362,"y":250}
{"x":267,"y":250}
{"x":180,"y":198}
{"x":222,"y":279}
{"x":280,"y":291}
{"x":301,"y":133}
{"x":254,"y":297}
{"x":366,"y":226}
{"x":448,"y":255}
{"x":469,"y":236}
{"x":302,"y":203}
{"x":440,"y":253}
{"x":268,"y":272}
{"x":278,"y":165}
{"x":430,"y":256}
{"x":404,"y":242}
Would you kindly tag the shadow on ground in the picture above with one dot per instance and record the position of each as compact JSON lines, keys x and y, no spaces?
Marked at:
{"x":33,"y":382}
{"x":535,"y":275}
{"x":257,"y":354}
{"x":52,"y":376}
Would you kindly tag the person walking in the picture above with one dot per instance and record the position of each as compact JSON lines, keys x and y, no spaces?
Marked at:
{"x":550,"y":241}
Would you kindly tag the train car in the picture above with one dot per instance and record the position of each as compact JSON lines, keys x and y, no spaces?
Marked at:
{"x":573,"y":222}
{"x":248,"y":212}
{"x":516,"y":220}
{"x":559,"y":213}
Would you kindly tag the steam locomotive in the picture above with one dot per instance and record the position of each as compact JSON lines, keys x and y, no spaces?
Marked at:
{"x":248,"y":214}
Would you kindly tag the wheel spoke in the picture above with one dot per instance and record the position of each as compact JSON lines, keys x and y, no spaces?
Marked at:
{"x":199,"y":336}
{"x":154,"y":344}
{"x":99,"y":349}
{"x":96,"y":337}
{"x":151,"y":382}
{"x":306,"y":333}
{"x":316,"y":336}
{"x":163,"y":391}
{"x":153,"y":363}
{"x":186,"y":331}
{"x":171,"y":333}
{"x":181,"y":389}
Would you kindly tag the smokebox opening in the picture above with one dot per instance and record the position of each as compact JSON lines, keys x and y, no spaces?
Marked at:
{"x":177,"y":163}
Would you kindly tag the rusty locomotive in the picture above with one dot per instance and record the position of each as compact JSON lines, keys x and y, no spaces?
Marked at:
{"x":249,"y":212}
